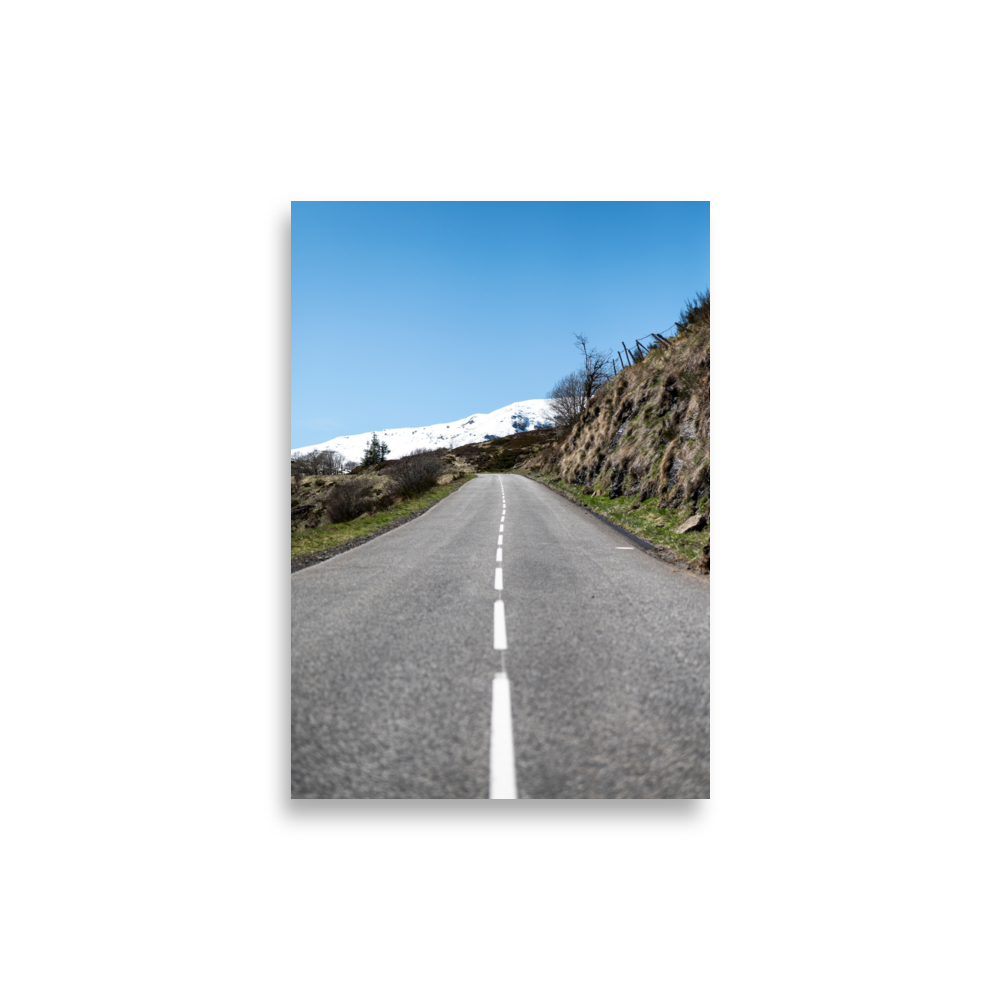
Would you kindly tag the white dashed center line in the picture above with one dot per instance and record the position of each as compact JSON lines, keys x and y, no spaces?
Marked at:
{"x":499,"y":626}
{"x":503,"y":782}
{"x":624,"y":546}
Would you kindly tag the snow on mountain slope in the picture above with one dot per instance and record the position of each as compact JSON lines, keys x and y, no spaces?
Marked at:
{"x":524,"y":416}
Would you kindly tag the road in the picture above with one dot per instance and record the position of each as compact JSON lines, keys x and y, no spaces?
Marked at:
{"x":404,"y":684}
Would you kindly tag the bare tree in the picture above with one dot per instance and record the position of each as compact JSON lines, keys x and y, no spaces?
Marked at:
{"x":336,"y":462}
{"x":318,"y":463}
{"x":572,"y":393}
{"x":596,"y":368}
{"x":566,"y":400}
{"x":301,"y":464}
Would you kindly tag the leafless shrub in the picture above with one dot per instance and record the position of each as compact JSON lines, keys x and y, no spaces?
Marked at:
{"x":348,"y":499}
{"x":416,"y":472}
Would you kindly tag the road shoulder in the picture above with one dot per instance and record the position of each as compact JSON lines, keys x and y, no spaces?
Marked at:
{"x":660,"y":552}
{"x":312,"y":558}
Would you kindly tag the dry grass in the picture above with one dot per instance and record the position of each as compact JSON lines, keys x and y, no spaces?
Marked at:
{"x":505,"y":453}
{"x":318,"y":501}
{"x":643,"y":518}
{"x":321,"y":538}
{"x":647,"y":433}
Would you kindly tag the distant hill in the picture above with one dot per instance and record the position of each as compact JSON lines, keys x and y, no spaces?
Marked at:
{"x":529,"y":414}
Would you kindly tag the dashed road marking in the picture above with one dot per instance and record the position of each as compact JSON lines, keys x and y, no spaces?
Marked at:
{"x":503,"y":781}
{"x":624,"y":546}
{"x":499,"y":626}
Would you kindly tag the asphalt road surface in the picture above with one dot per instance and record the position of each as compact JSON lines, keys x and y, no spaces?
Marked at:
{"x":504,"y":644}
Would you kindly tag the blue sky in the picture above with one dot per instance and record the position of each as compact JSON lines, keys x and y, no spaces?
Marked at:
{"x":413,"y":313}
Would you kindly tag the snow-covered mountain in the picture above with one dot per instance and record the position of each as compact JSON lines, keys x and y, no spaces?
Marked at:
{"x":524,"y":416}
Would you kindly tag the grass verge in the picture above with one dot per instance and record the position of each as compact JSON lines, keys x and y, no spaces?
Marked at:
{"x":646,"y":520}
{"x":323,"y":541}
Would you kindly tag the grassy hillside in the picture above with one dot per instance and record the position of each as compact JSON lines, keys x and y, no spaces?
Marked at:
{"x":506,"y":453}
{"x":641,"y":451}
{"x":324,"y":540}
{"x":333,"y":510}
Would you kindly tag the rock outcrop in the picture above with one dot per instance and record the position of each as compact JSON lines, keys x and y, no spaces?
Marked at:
{"x":646,"y":432}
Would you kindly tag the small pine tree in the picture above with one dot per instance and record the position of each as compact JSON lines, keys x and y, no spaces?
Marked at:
{"x":375,"y":452}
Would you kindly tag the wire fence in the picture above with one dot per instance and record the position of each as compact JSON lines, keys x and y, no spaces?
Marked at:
{"x":639,"y":352}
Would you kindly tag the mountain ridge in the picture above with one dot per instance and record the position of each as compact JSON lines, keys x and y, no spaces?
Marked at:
{"x":529,"y":414}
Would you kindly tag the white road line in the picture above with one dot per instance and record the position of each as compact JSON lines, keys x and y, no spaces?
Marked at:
{"x":500,"y":540}
{"x":502,"y":516}
{"x":499,"y":555}
{"x":503,"y":781}
{"x":501,"y":526}
{"x":498,"y":579}
{"x":499,"y":626}
{"x":624,"y":546}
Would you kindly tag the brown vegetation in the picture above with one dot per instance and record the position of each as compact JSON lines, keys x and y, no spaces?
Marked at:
{"x":416,"y":472}
{"x":501,"y":454}
{"x":348,"y":499}
{"x":646,"y":431}
{"x":320,"y":500}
